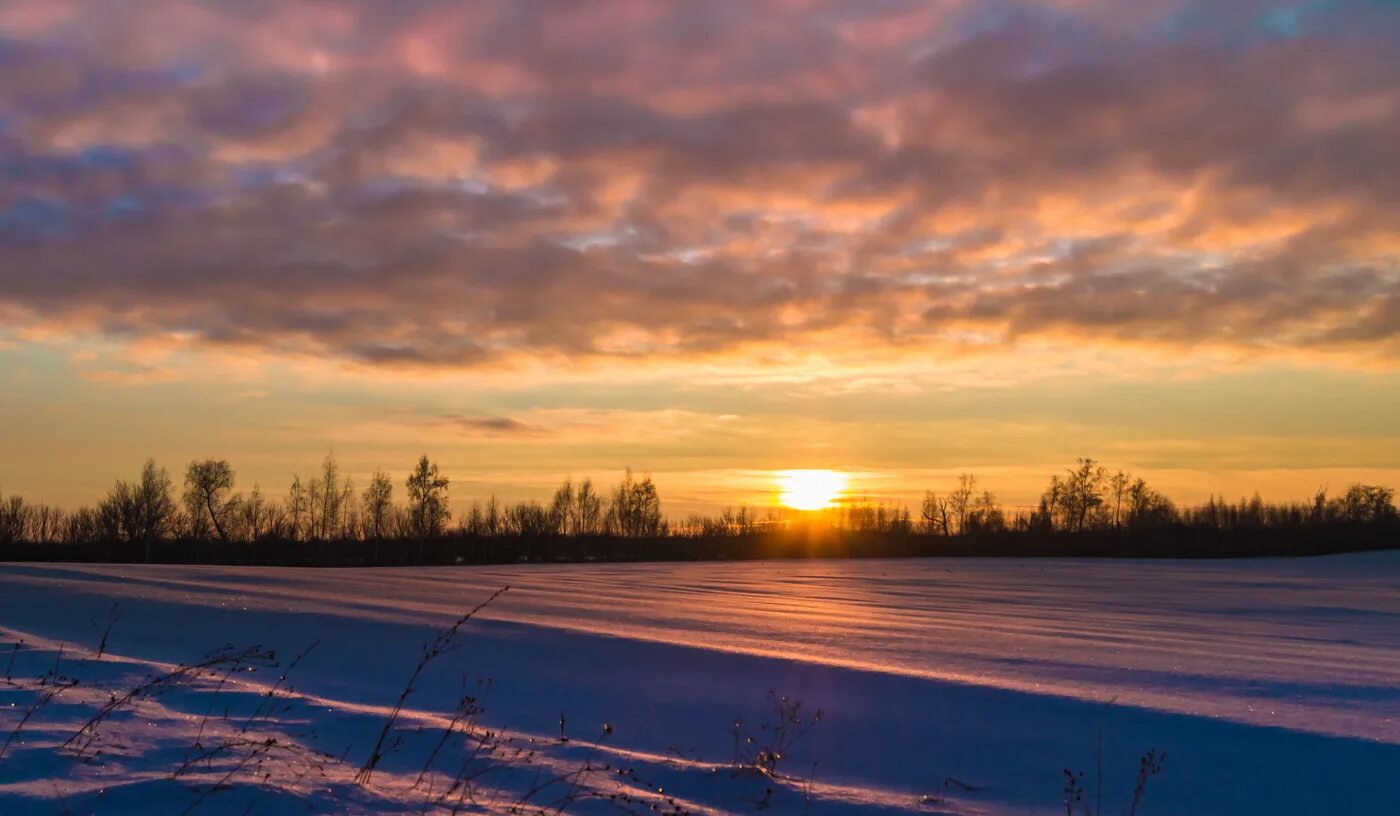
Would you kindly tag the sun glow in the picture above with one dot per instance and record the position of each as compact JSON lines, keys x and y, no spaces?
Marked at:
{"x":811,"y":489}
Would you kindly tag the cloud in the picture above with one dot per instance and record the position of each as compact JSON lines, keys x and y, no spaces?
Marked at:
{"x":588,"y":426}
{"x":458,"y":186}
{"x":492,"y":426}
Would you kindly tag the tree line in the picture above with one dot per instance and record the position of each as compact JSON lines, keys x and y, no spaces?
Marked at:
{"x":1089,"y":498}
{"x":326,"y":507}
{"x":1085,"y":510}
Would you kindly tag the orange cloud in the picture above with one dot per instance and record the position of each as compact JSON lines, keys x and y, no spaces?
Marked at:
{"x":474,"y":187}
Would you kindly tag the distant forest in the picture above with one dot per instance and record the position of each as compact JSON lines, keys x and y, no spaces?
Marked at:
{"x":326,"y":521}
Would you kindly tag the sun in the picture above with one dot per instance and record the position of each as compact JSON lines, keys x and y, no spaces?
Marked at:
{"x":811,"y":489}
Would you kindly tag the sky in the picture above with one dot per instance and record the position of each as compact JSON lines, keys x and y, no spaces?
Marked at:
{"x":704,"y":240}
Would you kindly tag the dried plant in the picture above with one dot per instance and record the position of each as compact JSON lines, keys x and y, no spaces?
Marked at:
{"x":439,"y":645}
{"x":81,"y":743}
{"x":764,"y":750}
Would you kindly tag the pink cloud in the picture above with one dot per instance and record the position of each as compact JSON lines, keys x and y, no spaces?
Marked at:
{"x":452,"y":185}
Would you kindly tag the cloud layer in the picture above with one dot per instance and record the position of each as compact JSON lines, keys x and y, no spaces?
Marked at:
{"x":466,"y":185}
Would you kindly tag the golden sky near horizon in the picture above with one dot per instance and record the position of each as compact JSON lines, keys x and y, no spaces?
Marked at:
{"x":709,"y":241}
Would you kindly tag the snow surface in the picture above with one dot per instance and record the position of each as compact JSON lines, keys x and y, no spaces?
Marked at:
{"x":1272,"y":686}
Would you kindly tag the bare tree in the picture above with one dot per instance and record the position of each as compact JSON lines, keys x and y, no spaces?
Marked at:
{"x":141,"y":512}
{"x":1073,"y":502}
{"x":561,"y":509}
{"x":635,"y":511}
{"x":1318,"y":511}
{"x":314,"y":515}
{"x":740,"y":523}
{"x":46,"y":524}
{"x":207,"y":485}
{"x":528,"y":520}
{"x":328,"y":491}
{"x":474,"y":522}
{"x":1044,"y":517}
{"x":427,"y":499}
{"x":1118,"y":489}
{"x":255,"y":514}
{"x":934,"y":515}
{"x":1364,"y":502}
{"x":378,"y":504}
{"x":1147,"y":507}
{"x":298,"y":507}
{"x":349,"y":521}
{"x":864,"y":515}
{"x":985,"y":515}
{"x":154,"y":506}
{"x":588,"y":510}
{"x":85,"y":525}
{"x":960,"y":500}
{"x":14,"y":520}
{"x":491,"y":519}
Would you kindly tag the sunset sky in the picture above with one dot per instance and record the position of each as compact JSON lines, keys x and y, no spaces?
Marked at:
{"x":706,"y":240}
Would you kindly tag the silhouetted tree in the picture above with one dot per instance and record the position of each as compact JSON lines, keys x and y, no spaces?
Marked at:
{"x":86,"y":525}
{"x":1147,"y":507}
{"x":635,"y":510}
{"x":1071,"y":503}
{"x":1363,"y":503}
{"x":349,"y":524}
{"x":378,"y":504}
{"x":1317,"y":513}
{"x":492,"y":517}
{"x":934,"y":516}
{"x":561,"y":508}
{"x":14,"y":519}
{"x":255,"y":514}
{"x":587,"y":514}
{"x":314,"y":515}
{"x":1251,"y":512}
{"x":960,"y":500}
{"x":142,"y":512}
{"x":1118,"y":490}
{"x":727,"y":524}
{"x":207,"y":485}
{"x":474,"y":522}
{"x":740,"y":523}
{"x":985,"y":515}
{"x":528,"y":520}
{"x":330,"y":500}
{"x":46,"y":524}
{"x":298,"y":509}
{"x":427,"y":500}
{"x":861,"y":515}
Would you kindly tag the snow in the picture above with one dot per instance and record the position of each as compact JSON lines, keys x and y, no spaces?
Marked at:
{"x":1273,"y":686}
